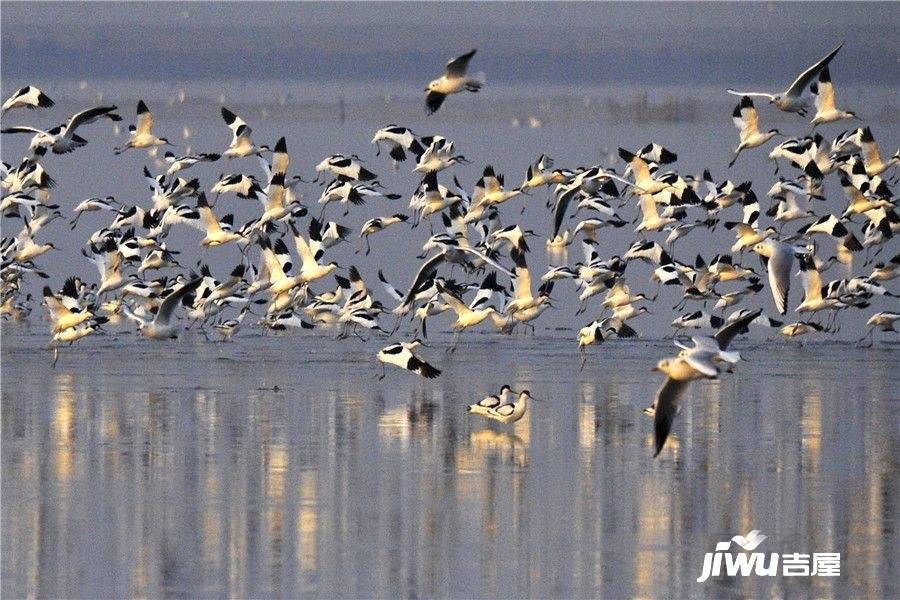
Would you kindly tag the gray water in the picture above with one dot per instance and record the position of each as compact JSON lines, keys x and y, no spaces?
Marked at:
{"x":278,"y":466}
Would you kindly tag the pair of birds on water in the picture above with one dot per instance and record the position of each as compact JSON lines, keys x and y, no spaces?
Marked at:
{"x":502,"y":407}
{"x":498,"y":407}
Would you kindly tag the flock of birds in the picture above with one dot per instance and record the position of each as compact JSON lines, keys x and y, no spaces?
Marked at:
{"x":295,"y":289}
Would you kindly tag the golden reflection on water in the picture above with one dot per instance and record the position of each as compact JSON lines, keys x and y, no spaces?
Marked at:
{"x":64,"y":427}
{"x":348,"y":490}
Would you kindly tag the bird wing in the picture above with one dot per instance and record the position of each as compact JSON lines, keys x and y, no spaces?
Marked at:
{"x":457,"y":66}
{"x":725,"y":334}
{"x":745,"y":117}
{"x":272,"y":269}
{"x":823,"y":90}
{"x":276,"y":193}
{"x":487,"y":259}
{"x":56,"y":307}
{"x":667,"y":404}
{"x":491,"y":182}
{"x":522,"y":280}
{"x":458,"y":306}
{"x":305,"y":252}
{"x":235,"y":123}
{"x":22,"y":129}
{"x":280,"y":158}
{"x":701,"y":360}
{"x":145,"y":119}
{"x":171,"y":301}
{"x":426,"y":272}
{"x":562,"y":206}
{"x":780,"y":277}
{"x":391,"y":290}
{"x":806,"y":77}
{"x":433,"y":101}
{"x":758,"y":94}
{"x":503,"y":410}
{"x":812,"y":280}
{"x":206,"y":214}
{"x":417,"y":365}
{"x":89,"y":116}
{"x":648,"y":208}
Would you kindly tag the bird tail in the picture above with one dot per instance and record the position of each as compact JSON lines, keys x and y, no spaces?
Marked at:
{"x":427,"y":371}
{"x":473,"y":84}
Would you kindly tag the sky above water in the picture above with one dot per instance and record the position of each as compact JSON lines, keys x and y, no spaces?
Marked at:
{"x":596,"y":43}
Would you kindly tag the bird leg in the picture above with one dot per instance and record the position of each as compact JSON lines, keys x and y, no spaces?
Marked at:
{"x":452,"y":348}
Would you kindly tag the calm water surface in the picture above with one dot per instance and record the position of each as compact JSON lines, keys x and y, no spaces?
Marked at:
{"x":278,"y":467}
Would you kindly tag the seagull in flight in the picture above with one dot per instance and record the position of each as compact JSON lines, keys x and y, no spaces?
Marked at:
{"x":698,"y":362}
{"x":790,"y":100}
{"x":453,"y":81}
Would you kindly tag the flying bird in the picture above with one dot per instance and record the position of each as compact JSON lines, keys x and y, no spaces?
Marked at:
{"x":790,"y":100}
{"x":453,"y":81}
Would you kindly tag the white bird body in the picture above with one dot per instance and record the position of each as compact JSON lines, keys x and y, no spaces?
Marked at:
{"x":492,"y":402}
{"x":779,"y":261}
{"x":241,"y":143}
{"x":507,"y":413}
{"x":142,"y":134}
{"x":402,"y":355}
{"x":746,"y":119}
{"x":826,"y":106}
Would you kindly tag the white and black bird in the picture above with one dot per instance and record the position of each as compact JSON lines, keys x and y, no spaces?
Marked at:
{"x":791,"y":100}
{"x":882,"y":321}
{"x":453,"y":81}
{"x":746,"y":119}
{"x":346,"y":167}
{"x":698,"y":362}
{"x":142,"y":135}
{"x":826,"y":105}
{"x":28,"y":97}
{"x":180,"y":163}
{"x":92,"y":205}
{"x":63,"y":139}
{"x":492,"y":402}
{"x":377,"y":224}
{"x":241,"y":143}
{"x":509,"y":412}
{"x":401,"y":355}
{"x":399,"y":141}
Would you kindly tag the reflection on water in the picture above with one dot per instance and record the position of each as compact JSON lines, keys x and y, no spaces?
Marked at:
{"x":197,"y":477}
